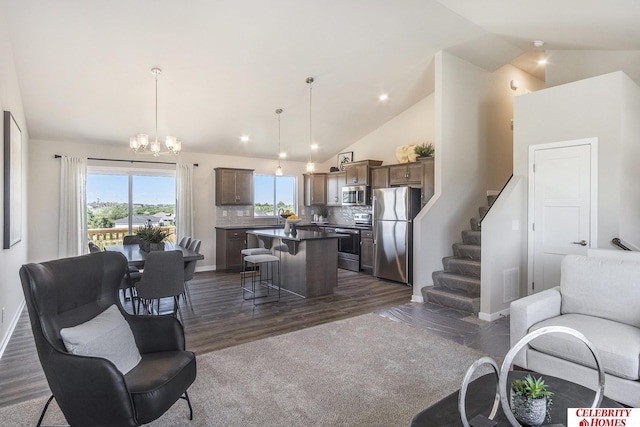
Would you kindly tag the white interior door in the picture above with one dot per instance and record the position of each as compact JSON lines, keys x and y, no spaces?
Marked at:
{"x":562,"y":180}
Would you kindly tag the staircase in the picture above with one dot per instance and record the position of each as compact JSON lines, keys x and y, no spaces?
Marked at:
{"x":458,"y":285}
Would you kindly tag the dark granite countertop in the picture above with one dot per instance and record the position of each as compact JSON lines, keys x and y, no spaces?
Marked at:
{"x":248,"y":227}
{"x":300,"y":235}
{"x":301,"y":224}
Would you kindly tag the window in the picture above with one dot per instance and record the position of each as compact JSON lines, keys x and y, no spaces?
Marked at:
{"x":121,"y":200}
{"x":273,"y":193}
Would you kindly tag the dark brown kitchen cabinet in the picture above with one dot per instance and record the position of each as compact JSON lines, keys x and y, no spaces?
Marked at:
{"x":229,"y":243}
{"x":358,"y":173}
{"x":335,"y":182}
{"x":427,"y":179}
{"x":380,"y":177}
{"x":366,"y":251}
{"x":315,"y":189}
{"x":406,"y":174}
{"x":234,"y":186}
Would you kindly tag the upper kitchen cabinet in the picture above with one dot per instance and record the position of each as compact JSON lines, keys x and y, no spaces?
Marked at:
{"x":406,"y":174}
{"x":428,"y":187}
{"x":335,"y":182}
{"x":380,"y":177}
{"x":234,"y":186}
{"x":315,"y":189}
{"x":359,"y":173}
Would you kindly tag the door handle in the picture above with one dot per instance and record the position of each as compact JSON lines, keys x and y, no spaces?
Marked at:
{"x":581,"y":243}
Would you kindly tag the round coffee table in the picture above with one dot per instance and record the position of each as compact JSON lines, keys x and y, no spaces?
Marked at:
{"x":481,"y":393}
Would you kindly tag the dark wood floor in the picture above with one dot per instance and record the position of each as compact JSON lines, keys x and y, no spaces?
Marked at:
{"x":221,"y":318}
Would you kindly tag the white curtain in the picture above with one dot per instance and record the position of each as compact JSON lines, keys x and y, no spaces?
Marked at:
{"x":184,"y":202}
{"x":72,"y":225}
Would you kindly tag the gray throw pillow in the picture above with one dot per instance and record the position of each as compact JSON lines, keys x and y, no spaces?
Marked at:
{"x":107,"y":335}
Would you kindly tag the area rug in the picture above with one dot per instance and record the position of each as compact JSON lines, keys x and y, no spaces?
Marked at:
{"x":363,"y":371}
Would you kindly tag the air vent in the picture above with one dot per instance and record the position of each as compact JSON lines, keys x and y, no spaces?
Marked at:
{"x":511,"y":284}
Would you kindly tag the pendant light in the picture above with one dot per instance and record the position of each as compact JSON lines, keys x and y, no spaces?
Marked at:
{"x":279,"y":168}
{"x":311,"y":167}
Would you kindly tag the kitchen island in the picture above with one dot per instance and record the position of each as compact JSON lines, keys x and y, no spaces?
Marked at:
{"x":308,"y":259}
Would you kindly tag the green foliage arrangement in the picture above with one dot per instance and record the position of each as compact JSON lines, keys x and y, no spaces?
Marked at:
{"x":530,"y":387}
{"x":527,"y":390}
{"x":152,"y":234}
{"x":424,"y":150}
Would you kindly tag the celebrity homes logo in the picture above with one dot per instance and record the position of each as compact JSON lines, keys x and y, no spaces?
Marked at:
{"x":603,"y":417}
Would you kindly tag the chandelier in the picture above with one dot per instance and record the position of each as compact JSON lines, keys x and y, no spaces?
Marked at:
{"x":311,"y":167}
{"x":140,"y":142}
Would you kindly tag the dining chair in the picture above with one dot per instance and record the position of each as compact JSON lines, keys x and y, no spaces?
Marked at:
{"x":184,"y":242}
{"x":162,"y":277}
{"x":190,"y":269}
{"x":131,"y":239}
{"x":93,"y":248}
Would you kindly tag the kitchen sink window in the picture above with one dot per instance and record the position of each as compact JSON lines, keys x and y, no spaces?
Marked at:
{"x":121,"y":200}
{"x":273,"y":193}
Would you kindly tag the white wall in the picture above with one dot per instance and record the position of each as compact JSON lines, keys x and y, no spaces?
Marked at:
{"x":605,"y":107}
{"x":415,"y":125}
{"x":565,"y":66}
{"x":503,"y":233}
{"x":460,"y":164}
{"x":629,"y":194}
{"x":11,"y":297}
{"x":499,"y":132}
{"x":45,"y":175}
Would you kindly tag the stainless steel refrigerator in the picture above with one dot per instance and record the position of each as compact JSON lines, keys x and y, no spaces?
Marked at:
{"x":393,"y":212}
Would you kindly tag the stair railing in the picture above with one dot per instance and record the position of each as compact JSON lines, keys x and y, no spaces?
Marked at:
{"x":499,"y":193}
{"x":618,"y":242}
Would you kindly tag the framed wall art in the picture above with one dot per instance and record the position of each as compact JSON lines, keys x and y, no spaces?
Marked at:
{"x":344,"y":158}
{"x":12,"y":181}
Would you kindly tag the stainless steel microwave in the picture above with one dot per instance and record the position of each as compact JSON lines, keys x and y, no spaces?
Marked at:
{"x":356,"y":195}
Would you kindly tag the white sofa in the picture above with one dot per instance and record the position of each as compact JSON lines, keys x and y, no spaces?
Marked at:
{"x":599,"y":295}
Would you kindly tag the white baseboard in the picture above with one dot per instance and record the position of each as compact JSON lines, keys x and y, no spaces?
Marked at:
{"x":12,"y":326}
{"x":493,"y":316}
{"x":417,"y":298}
{"x":206,"y":268}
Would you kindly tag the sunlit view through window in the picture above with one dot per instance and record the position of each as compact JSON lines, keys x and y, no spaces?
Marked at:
{"x":273,"y":193}
{"x":119,"y":203}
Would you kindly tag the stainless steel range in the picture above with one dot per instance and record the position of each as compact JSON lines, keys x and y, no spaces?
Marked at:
{"x":349,"y":247}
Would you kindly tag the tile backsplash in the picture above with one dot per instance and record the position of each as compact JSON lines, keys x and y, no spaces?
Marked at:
{"x":243,"y":215}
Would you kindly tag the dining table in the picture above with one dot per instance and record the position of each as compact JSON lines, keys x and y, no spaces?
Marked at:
{"x":136,"y":257}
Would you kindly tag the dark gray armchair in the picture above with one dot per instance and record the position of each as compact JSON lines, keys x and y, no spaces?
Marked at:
{"x":91,"y":390}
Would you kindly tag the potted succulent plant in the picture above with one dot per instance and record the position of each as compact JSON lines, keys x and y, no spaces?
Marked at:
{"x":152,"y":238}
{"x":530,"y":400}
{"x":424,"y":150}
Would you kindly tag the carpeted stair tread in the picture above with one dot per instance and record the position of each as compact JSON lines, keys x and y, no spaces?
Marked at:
{"x":482,"y":210}
{"x":456,"y":299}
{"x":467,"y":251}
{"x":457,"y":281}
{"x":470,"y":267}
{"x":475,"y":224}
{"x":491,"y":199}
{"x":471,"y":237}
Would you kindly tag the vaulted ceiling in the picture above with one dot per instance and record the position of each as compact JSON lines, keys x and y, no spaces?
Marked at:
{"x":84,"y":65}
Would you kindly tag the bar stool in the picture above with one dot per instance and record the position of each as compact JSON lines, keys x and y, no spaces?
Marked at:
{"x":248,"y":252}
{"x":262,"y":276}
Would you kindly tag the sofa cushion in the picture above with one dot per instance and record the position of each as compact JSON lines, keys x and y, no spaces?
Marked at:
{"x":618,"y":345}
{"x":606,"y":288}
{"x":107,"y":335}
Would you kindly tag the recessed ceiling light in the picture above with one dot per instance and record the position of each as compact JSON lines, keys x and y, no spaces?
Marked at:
{"x":283,"y":155}
{"x":542,"y":61}
{"x":538,"y":43}
{"x":314,"y":146}
{"x":383,"y":97}
{"x":244,"y":138}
